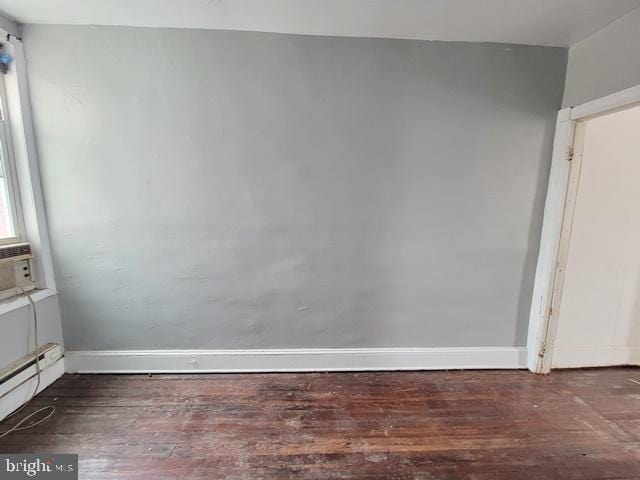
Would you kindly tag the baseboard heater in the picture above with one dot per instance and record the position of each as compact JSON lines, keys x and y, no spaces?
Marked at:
{"x":24,"y":369}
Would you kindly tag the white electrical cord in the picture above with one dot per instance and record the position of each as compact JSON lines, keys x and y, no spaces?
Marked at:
{"x":18,"y":426}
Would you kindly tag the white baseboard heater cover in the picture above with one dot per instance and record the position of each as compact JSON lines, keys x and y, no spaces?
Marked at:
{"x":24,"y":369}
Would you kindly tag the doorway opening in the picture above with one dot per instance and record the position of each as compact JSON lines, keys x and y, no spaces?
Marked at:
{"x":586,"y":303}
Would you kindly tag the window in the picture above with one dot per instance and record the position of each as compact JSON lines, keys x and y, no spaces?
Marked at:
{"x":11,"y":225}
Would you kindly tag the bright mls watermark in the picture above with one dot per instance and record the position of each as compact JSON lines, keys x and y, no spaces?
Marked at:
{"x":39,"y":465}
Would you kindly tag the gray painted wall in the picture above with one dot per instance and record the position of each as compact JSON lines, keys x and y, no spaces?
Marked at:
{"x":605,"y":62}
{"x":212,"y":189}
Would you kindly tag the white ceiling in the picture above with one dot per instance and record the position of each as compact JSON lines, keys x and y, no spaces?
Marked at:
{"x":532,"y":22}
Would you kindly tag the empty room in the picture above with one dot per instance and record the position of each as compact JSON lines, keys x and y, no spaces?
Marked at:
{"x":320,"y":239}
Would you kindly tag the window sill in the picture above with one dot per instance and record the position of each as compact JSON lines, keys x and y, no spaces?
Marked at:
{"x":14,"y":303}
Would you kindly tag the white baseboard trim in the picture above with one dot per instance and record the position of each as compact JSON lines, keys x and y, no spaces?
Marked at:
{"x":22,"y":394}
{"x":294,"y":360}
{"x":594,"y":356}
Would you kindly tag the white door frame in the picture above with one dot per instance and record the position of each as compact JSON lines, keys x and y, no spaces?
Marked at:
{"x":564,"y":176}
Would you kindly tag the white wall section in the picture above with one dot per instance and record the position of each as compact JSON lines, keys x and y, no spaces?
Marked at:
{"x":17,"y":339}
{"x":17,"y":316}
{"x":604,"y":63}
{"x":8,"y":25}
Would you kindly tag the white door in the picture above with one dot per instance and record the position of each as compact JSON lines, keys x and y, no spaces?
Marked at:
{"x":599,"y":312}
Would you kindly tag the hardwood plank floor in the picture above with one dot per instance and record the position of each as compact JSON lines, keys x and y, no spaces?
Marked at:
{"x":480,"y":425}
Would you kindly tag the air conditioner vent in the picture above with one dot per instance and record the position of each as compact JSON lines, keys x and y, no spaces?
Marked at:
{"x":16,"y":250}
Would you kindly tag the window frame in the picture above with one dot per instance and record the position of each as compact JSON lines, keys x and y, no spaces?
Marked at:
{"x":8,"y":156}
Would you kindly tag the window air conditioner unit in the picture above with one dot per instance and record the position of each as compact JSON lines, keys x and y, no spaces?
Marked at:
{"x":15,"y":270}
